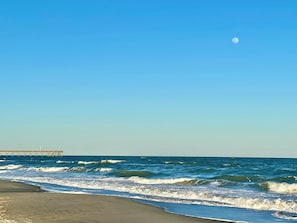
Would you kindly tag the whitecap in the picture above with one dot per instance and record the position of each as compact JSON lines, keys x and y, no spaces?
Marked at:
{"x":61,"y":161}
{"x":141,"y":180}
{"x":10,"y":167}
{"x":112,"y":161}
{"x":87,"y":162}
{"x":171,"y":193}
{"x":49,"y":169}
{"x":282,"y":188}
{"x":77,"y":169}
{"x":103,"y":170}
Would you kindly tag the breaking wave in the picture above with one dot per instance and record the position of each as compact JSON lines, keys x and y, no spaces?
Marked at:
{"x":241,"y":178}
{"x":103,"y":169}
{"x":111,"y":161}
{"x":281,"y":188}
{"x":62,"y":161}
{"x":77,"y":169}
{"x":48,"y":169}
{"x":88,"y":162}
{"x":171,"y":193}
{"x":10,"y":167}
{"x":183,"y":181}
{"x":254,"y":184}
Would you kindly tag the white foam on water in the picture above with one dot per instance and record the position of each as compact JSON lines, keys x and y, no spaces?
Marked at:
{"x":61,"y":161}
{"x":10,"y":167}
{"x":216,"y":183}
{"x":70,"y":192}
{"x":103,"y":170}
{"x":112,"y":161}
{"x":173,"y":193}
{"x":277,"y":197}
{"x":88,"y":162}
{"x":77,"y":169}
{"x":178,"y":162}
{"x":48,"y":169}
{"x":282,"y":188}
{"x":141,"y":180}
{"x":284,"y":215}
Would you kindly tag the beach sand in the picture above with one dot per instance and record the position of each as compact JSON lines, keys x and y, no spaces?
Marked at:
{"x":21,"y":203}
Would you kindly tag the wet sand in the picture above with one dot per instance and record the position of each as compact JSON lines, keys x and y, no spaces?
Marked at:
{"x":21,"y":203}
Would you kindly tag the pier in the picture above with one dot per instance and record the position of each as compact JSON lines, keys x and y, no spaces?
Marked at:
{"x":31,"y":152}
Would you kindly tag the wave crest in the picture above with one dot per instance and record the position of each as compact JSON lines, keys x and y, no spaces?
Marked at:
{"x":281,"y":188}
{"x":77,"y":169}
{"x":184,"y":181}
{"x":10,"y":167}
{"x":103,"y":169}
{"x":87,"y":162}
{"x":111,"y":161}
{"x":171,"y":193}
{"x":239,"y":178}
{"x":49,"y":169}
{"x":62,"y":161}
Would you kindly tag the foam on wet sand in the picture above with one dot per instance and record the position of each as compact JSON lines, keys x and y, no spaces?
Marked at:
{"x":22,"y":203}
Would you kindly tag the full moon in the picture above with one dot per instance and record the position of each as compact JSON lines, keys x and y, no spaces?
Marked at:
{"x":235,"y":40}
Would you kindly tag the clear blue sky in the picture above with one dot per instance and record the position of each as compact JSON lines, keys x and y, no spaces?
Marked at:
{"x":149,"y":77}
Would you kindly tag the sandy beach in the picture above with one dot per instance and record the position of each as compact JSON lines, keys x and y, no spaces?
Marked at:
{"x":21,"y":203}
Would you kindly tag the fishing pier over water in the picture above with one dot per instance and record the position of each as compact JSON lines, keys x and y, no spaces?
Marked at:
{"x":31,"y":152}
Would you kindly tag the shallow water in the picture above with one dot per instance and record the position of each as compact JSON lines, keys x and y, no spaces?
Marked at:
{"x":239,"y":189}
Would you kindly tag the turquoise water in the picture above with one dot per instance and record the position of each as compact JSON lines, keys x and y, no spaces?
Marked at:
{"x":238,"y":189}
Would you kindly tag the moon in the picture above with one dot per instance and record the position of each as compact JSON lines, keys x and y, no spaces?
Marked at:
{"x":235,"y":40}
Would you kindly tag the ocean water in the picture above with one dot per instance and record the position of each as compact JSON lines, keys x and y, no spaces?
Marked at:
{"x":255,"y":190}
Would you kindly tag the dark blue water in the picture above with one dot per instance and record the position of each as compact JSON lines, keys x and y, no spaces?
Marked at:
{"x":239,"y":189}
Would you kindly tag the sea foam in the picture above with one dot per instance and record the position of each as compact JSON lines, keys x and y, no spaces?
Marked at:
{"x":171,"y":193}
{"x":112,"y":161}
{"x":48,"y":169}
{"x":62,"y":161}
{"x":10,"y":167}
{"x":282,"y":188}
{"x":87,"y":162}
{"x":141,"y":180}
{"x":285,"y":215}
{"x":103,"y":169}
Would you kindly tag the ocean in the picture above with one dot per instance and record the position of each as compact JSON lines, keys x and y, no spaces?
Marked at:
{"x":255,"y":190}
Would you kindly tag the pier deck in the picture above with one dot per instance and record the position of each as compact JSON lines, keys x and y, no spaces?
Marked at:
{"x":31,"y":152}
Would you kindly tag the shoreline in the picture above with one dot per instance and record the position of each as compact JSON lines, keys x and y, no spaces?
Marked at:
{"x":24,"y":203}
